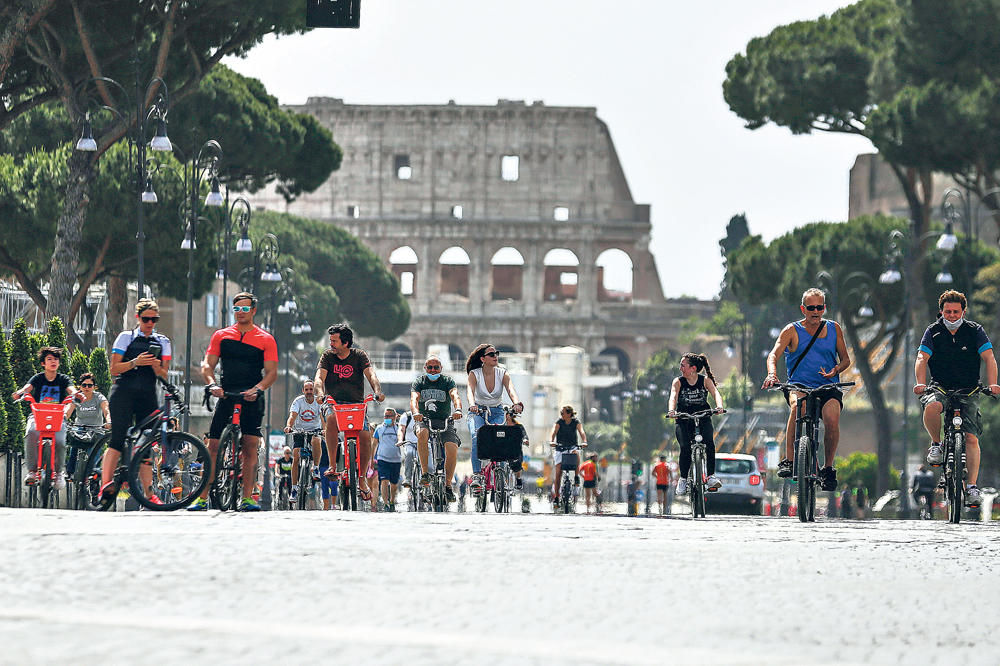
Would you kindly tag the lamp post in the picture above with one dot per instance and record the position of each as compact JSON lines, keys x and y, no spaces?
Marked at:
{"x":240,"y":208}
{"x":150,"y":106}
{"x":202,"y":166}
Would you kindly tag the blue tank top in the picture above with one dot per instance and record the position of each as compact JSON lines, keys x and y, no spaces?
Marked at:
{"x":823,"y":354}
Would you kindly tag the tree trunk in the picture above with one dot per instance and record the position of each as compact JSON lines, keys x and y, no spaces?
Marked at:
{"x":69,"y":235}
{"x":117,"y":304}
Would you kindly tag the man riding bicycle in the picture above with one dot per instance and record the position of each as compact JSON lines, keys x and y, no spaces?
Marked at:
{"x":341,"y":375}
{"x":954,"y":349}
{"x":429,"y":396}
{"x":303,"y":414}
{"x":249,"y":357}
{"x":815,"y":354}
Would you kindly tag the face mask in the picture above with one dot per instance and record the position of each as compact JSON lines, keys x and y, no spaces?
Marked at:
{"x":953,"y":326}
{"x":433,"y":376}
{"x":387,"y":421}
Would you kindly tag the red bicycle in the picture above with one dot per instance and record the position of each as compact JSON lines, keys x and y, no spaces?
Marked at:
{"x":48,"y":421}
{"x":351,"y":422}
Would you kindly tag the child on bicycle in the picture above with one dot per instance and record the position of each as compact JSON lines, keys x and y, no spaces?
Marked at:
{"x":689,"y":394}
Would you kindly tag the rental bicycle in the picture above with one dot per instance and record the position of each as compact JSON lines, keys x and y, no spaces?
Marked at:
{"x":350,"y":422}
{"x":165,"y":469}
{"x":805,"y":466}
{"x":48,"y":421}
{"x":698,"y":472}
{"x":955,"y":469}
{"x":499,"y":445}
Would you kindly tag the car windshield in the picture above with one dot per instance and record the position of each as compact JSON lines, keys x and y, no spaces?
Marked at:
{"x":723,"y":466}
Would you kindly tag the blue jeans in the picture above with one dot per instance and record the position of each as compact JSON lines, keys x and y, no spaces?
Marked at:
{"x":494,"y":415}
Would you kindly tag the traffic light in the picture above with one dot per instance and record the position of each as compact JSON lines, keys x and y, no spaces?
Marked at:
{"x":637,"y":468}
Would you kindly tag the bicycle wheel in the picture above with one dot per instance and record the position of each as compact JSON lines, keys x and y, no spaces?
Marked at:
{"x":805,"y":489}
{"x":224,"y":491}
{"x":958,"y":480}
{"x":499,"y":489}
{"x":179,"y":464}
{"x":87,"y":477}
{"x":305,"y":474}
{"x":697,"y":488}
{"x":45,"y":482}
{"x":351,"y":459}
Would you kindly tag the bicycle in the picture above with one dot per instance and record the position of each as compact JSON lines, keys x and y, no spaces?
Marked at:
{"x":350,"y":422}
{"x":305,"y":464}
{"x":416,"y":500}
{"x":805,"y":465}
{"x":177,"y":461}
{"x":89,"y":442}
{"x":227,"y":481}
{"x":698,"y":472}
{"x":48,"y":421}
{"x":437,"y":494}
{"x":283,"y":501}
{"x":499,"y":444}
{"x":955,"y":470}
{"x":570,"y":461}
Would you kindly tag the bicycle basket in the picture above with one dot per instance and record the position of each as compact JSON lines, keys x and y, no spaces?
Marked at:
{"x":350,"y":417}
{"x":499,"y":442}
{"x":48,"y":416}
{"x":570,"y":461}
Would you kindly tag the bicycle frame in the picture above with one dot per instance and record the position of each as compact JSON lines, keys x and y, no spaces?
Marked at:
{"x":351,"y":422}
{"x":48,"y":421}
{"x":955,"y":463}
{"x":697,"y":473}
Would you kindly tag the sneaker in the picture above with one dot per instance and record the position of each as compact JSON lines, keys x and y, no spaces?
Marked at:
{"x":476,"y":485}
{"x":712,"y":483}
{"x":785,"y":469}
{"x":518,"y":483}
{"x":153,"y":499}
{"x":828,"y":478}
{"x":449,"y":493}
{"x":199,"y":504}
{"x":31,"y":478}
{"x":425,"y":479}
{"x":973,"y":497}
{"x":59,"y":482}
{"x":108,"y":491}
{"x":935,"y":454}
{"x":682,"y":486}
{"x":249,"y":505}
{"x":294,"y":497}
{"x":406,"y":484}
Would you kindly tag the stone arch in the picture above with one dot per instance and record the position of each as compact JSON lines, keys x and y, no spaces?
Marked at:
{"x":453,"y":277}
{"x":614,"y":276}
{"x":457,"y":357}
{"x":562,"y":273}
{"x":507,"y":268}
{"x":398,"y":356}
{"x":615,"y":358}
{"x":403,"y":261}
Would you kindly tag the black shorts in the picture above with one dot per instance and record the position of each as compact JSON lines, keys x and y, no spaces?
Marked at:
{"x":590,"y":484}
{"x":662,"y":486}
{"x":825,"y":396}
{"x":251,"y":415}
{"x":299,"y":438}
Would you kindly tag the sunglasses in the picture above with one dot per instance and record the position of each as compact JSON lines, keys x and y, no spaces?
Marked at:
{"x":146,"y":320}
{"x":242,"y":308}
{"x":87,"y":385}
{"x":432,"y":367}
{"x":814,"y":308}
{"x":493,"y":353}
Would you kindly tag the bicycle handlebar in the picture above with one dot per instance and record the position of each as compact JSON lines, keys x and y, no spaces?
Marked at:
{"x":791,"y":386}
{"x":979,"y":389}
{"x":30,"y":399}
{"x":697,"y":415}
{"x":330,"y":401}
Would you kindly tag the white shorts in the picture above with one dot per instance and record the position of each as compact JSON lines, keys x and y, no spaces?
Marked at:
{"x":557,"y":455}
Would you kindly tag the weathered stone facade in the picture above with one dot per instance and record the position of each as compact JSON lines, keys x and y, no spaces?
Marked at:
{"x":498,"y":221}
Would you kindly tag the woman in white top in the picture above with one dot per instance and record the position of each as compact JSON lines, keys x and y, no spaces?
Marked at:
{"x":487,"y":382}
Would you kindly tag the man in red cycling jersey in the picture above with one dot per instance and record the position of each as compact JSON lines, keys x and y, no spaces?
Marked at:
{"x":341,"y":374}
{"x":249,"y":357}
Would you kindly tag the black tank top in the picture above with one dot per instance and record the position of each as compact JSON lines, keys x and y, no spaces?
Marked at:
{"x":566,"y":433}
{"x":692,"y":398}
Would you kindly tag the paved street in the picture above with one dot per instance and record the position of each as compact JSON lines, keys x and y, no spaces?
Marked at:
{"x":512,"y":589}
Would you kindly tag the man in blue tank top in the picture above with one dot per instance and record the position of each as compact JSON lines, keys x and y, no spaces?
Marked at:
{"x":821,"y":364}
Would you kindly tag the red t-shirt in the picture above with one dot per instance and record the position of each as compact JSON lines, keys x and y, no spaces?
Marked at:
{"x":242,"y":355}
{"x":588,"y":471}
{"x":662,"y":473}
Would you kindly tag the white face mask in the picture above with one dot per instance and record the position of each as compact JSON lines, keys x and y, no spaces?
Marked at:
{"x":953,"y":326}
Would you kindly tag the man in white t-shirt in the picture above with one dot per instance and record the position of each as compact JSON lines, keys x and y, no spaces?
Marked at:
{"x":305,"y":413}
{"x":408,"y":435}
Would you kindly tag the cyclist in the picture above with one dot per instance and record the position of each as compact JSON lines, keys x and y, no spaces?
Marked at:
{"x":388,"y":457}
{"x":588,"y":471}
{"x":815,"y":354}
{"x":283,"y":467}
{"x":923,"y":486}
{"x":510,"y":419}
{"x":138,"y":356}
{"x":486,"y":383}
{"x":662,"y":473}
{"x":689,"y":394}
{"x":408,"y":436}
{"x":91,"y":412}
{"x":429,"y":395}
{"x":303,"y":414}
{"x":48,"y":386}
{"x":341,"y":375}
{"x":954,"y":348}
{"x":564,"y":434}
{"x":249,"y":358}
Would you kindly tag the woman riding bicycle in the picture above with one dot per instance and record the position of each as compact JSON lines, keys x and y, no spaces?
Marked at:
{"x":689,"y":394}
{"x":91,"y":412}
{"x":138,"y":356}
{"x":486,"y":384}
{"x":564,"y":435}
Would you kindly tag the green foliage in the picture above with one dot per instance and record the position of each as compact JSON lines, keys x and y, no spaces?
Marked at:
{"x":12,"y":427}
{"x":602,"y":436}
{"x":79,"y":364}
{"x":861,"y":469}
{"x":646,"y":426}
{"x":57,"y":338}
{"x":734,"y":389}
{"x":22,"y":358}
{"x":102,"y":371}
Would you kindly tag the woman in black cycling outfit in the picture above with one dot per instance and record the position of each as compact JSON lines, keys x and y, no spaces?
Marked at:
{"x":564,"y":434}
{"x":138,"y":356}
{"x":689,"y":394}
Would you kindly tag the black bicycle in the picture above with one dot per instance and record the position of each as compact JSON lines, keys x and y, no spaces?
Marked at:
{"x":87,"y":444}
{"x":437,"y":493}
{"x":955,"y":470}
{"x":306,"y":463}
{"x":227,"y":483}
{"x":805,"y":466}
{"x":570,"y":461}
{"x":416,"y":500}
{"x":175,"y":464}
{"x":698,"y":472}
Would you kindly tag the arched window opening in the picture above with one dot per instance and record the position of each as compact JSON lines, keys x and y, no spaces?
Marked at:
{"x":561,"y":275}
{"x":398,"y":357}
{"x":507,"y":275}
{"x":403,"y":261}
{"x":454,"y":275}
{"x":614,"y":275}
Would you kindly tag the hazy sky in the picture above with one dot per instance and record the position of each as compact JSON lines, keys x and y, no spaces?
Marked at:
{"x":652,"y":68}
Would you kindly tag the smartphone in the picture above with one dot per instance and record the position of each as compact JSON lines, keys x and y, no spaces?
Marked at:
{"x":155,"y":349}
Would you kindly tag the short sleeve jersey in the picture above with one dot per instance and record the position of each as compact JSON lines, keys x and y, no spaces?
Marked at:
{"x":89,"y":412}
{"x":588,"y":470}
{"x":387,"y":436}
{"x":309,"y":414}
{"x":434,"y":401}
{"x":954,"y":359}
{"x":662,"y":473}
{"x":125,"y":338}
{"x":284,"y":465}
{"x":242,"y":355}
{"x":44,"y":390}
{"x":345,"y":377}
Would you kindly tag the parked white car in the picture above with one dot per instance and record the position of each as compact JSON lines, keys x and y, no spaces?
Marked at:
{"x":742,"y":485}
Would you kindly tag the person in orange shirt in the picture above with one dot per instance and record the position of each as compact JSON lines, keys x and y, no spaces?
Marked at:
{"x":588,"y":471}
{"x":662,"y":473}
